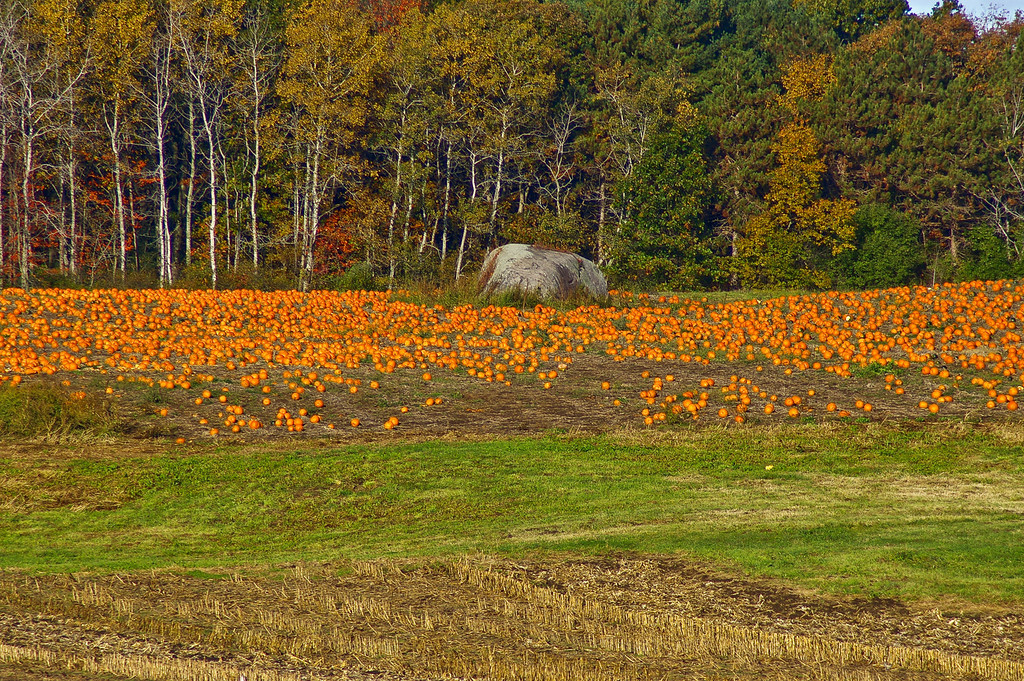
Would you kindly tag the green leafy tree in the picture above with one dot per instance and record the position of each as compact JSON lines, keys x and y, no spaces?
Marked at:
{"x":908,"y":126}
{"x":854,"y":18}
{"x":631,"y":111}
{"x":737,"y":93}
{"x":990,"y":256}
{"x":997,"y":243}
{"x":652,"y":35}
{"x":888,"y":250}
{"x":664,"y":239}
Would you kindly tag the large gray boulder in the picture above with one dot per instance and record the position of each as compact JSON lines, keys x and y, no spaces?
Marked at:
{"x":551,"y":274}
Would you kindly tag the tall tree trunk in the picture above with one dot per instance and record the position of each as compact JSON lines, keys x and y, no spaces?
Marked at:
{"x":69,"y":217}
{"x":312,"y":223}
{"x":224,"y":174}
{"x":394,"y":209}
{"x":497,"y":185}
{"x":297,"y":209}
{"x":258,"y":51}
{"x":211,"y":157}
{"x":408,"y":218}
{"x":462,"y":249}
{"x":114,"y":130}
{"x":193,"y":155}
{"x":253,"y":189}
{"x":447,"y":201}
{"x":62,"y":230}
{"x":301,"y":244}
{"x":432,"y":239}
{"x":3,"y":214}
{"x":465,"y":225}
{"x":257,"y":159}
{"x":505,"y":124}
{"x":161,"y":101}
{"x":73,"y":226}
{"x":163,"y":227}
{"x":25,"y":238}
{"x":237,"y":245}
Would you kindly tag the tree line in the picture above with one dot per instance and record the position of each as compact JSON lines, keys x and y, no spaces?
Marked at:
{"x":680,"y":143}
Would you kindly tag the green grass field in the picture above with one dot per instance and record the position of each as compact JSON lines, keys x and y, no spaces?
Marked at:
{"x":931,"y":513}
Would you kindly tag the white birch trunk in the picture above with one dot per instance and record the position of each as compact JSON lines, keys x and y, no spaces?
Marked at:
{"x":161,"y":101}
{"x":192,"y":174}
{"x":447,"y":201}
{"x":465,"y":225}
{"x":3,"y":215}
{"x":73,"y":225}
{"x":25,"y":238}
{"x":253,"y":191}
{"x":394,"y":209}
{"x":114,"y":131}
{"x":212,"y":161}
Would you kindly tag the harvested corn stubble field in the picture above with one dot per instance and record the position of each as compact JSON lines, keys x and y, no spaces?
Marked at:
{"x":592,"y":619}
{"x":226,"y":485}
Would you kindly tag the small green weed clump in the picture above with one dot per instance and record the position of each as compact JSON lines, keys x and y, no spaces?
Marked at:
{"x":50,"y":413}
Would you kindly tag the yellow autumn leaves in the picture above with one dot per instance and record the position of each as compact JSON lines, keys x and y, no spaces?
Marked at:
{"x":798,"y":230}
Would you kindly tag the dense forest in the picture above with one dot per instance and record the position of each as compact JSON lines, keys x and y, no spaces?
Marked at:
{"x":680,"y":143}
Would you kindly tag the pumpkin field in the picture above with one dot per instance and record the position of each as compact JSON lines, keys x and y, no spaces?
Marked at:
{"x":278,"y":485}
{"x":200,"y":364}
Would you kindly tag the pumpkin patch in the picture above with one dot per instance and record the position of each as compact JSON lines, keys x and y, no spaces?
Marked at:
{"x":266,"y":363}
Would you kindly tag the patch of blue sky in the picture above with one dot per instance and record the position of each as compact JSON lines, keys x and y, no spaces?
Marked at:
{"x":976,"y":8}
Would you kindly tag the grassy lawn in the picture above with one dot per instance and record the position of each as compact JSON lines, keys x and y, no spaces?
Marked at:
{"x":932,"y":513}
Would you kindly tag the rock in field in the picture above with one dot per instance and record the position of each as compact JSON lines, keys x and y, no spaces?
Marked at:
{"x":551,"y":274}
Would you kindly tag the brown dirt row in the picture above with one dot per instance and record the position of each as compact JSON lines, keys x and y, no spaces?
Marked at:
{"x":575,"y":401}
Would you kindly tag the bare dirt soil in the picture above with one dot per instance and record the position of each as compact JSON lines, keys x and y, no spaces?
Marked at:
{"x":575,"y":400}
